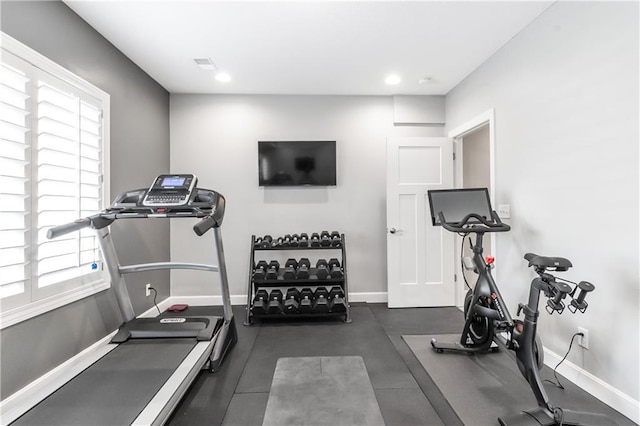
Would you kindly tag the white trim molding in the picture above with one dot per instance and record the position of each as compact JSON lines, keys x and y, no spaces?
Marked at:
{"x":487,"y":117}
{"x":606,"y":393}
{"x":29,"y":396}
{"x":35,"y":300}
{"x":241,"y":299}
{"x":380,"y":297}
{"x":457,"y":134}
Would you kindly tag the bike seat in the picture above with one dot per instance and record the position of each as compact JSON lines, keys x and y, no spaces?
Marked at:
{"x":556,"y":263}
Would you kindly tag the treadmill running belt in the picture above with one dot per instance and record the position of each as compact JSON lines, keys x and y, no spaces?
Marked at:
{"x":115,"y":389}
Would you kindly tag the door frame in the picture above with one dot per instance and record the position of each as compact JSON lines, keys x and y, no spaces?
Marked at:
{"x":457,"y":134}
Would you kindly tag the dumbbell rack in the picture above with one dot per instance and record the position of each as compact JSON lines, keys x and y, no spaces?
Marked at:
{"x":284,"y":284}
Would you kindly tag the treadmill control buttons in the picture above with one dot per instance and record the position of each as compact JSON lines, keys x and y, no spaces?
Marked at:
{"x":166,"y":199}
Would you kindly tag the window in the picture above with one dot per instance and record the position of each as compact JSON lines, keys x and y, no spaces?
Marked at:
{"x":53,"y":140}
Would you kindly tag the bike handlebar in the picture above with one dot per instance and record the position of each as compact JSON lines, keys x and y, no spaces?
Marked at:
{"x":496,"y":225}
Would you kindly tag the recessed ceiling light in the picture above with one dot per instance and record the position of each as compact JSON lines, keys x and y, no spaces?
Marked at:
{"x":205,"y":64}
{"x":223,"y":77}
{"x":393,"y":79}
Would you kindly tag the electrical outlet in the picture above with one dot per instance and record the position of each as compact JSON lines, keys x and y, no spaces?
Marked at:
{"x":584,"y":339}
{"x":147,"y":290}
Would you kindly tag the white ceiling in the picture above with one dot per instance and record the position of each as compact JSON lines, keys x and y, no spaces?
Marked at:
{"x":304,"y":47}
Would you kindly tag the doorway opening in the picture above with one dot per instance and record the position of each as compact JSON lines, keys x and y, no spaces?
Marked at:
{"x":474,"y":167}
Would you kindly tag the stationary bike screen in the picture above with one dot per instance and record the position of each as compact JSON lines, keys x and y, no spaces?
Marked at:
{"x":455,"y":204}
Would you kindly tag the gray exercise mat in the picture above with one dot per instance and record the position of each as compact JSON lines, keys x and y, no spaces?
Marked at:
{"x":480,"y":388}
{"x":322,"y":391}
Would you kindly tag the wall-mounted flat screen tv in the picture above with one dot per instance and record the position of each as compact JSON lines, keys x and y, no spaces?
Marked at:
{"x":296,"y":163}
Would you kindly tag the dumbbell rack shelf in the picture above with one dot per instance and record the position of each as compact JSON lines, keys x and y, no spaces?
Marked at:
{"x":284,"y":284}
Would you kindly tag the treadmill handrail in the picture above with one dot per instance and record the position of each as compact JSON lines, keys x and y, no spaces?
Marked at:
{"x":97,"y":221}
{"x":143,"y":267}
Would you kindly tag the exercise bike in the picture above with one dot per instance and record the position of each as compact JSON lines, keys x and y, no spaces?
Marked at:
{"x":488,"y":323}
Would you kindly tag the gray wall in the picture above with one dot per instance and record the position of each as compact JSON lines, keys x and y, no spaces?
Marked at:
{"x":139,"y":151}
{"x":566,"y":96}
{"x":216,"y":137}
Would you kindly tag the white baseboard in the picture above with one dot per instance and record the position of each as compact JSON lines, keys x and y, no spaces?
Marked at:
{"x":204,"y":300}
{"x":26,"y":398}
{"x":606,"y":393}
{"x":241,"y":299}
{"x":380,"y":297}
{"x":20,"y":402}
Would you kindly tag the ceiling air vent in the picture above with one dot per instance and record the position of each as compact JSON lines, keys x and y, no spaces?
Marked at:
{"x":205,"y":64}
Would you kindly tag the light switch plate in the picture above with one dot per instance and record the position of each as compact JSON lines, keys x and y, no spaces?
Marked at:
{"x":504,"y":211}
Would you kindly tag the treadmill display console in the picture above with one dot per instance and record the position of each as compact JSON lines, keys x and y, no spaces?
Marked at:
{"x":170,"y":190}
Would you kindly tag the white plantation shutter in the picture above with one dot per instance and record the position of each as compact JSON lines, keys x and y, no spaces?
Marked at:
{"x":14,"y":169}
{"x":52,"y":144}
{"x":68,"y":169}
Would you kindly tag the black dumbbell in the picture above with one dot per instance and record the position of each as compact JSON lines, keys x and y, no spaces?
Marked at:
{"x":321,"y":300}
{"x":322,"y":269}
{"x":286,"y":242}
{"x":260,"y":270}
{"x":336,"y":239}
{"x":334,"y":268}
{"x":276,"y":303}
{"x":260,"y":304}
{"x":304,"y":240}
{"x":315,"y":240}
{"x":292,"y":301}
{"x":272,"y":270}
{"x":336,"y":300}
{"x":290,"y":269}
{"x":302,"y":272}
{"x":295,"y":238}
{"x":267,"y":241}
{"x":325,"y":239}
{"x":257,"y":243}
{"x":279,"y":242}
{"x":306,"y":301}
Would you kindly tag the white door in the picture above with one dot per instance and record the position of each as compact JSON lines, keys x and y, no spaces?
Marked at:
{"x":419,"y":256}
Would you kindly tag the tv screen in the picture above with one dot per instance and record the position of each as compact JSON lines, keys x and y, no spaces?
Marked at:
{"x":297,"y":163}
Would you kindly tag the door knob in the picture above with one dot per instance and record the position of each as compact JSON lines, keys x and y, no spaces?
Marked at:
{"x":394,"y":230}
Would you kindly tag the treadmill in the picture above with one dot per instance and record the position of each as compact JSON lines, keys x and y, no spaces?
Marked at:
{"x":150,"y":362}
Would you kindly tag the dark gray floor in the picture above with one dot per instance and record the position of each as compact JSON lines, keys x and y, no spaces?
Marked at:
{"x":406,"y":393}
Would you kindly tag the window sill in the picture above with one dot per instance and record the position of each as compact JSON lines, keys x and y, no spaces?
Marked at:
{"x":25,"y":312}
